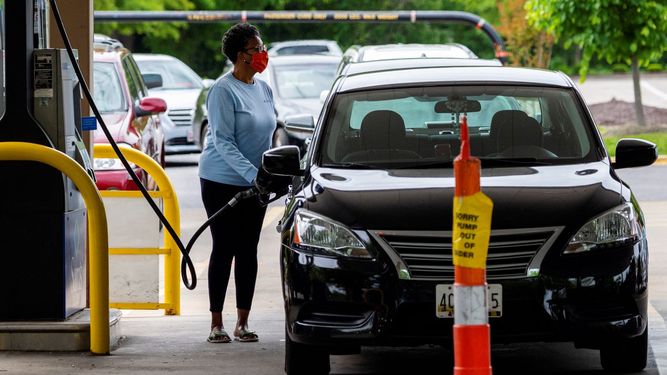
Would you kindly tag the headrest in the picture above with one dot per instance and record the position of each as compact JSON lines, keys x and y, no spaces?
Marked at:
{"x":512,"y":128}
{"x":382,"y":130}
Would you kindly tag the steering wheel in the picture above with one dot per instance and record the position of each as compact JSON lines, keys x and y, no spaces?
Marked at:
{"x":528,"y":151}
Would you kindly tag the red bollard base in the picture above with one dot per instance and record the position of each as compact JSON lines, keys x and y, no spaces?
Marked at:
{"x":472,"y":353}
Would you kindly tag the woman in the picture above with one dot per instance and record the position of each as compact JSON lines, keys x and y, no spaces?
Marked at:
{"x":241,"y":121}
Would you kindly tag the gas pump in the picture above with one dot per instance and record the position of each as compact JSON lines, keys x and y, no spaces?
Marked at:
{"x":43,"y":221}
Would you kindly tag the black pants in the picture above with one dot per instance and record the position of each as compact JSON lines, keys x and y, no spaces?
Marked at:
{"x":235,"y":235}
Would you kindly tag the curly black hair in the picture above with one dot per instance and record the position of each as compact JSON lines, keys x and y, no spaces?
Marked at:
{"x":236,"y":38}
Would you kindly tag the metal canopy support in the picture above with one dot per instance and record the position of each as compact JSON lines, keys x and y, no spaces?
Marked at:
{"x":367,"y":16}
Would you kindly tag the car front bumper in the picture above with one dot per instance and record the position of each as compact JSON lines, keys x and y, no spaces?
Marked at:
{"x":334,"y":302}
{"x":179,"y":140}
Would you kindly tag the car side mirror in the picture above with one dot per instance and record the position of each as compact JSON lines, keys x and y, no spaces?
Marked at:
{"x":282,"y":161}
{"x":632,"y":152}
{"x":302,"y":122}
{"x":149,"y":106}
{"x":207,"y":82}
{"x":152,"y":80}
{"x":323,"y":96}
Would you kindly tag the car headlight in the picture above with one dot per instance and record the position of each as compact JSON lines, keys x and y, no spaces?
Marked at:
{"x":616,"y":227}
{"x":109,"y":164}
{"x":325,"y":236}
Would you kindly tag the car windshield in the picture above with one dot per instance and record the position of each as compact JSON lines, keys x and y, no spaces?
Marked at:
{"x":303,"y":81}
{"x":306,"y":49}
{"x":108,"y":93}
{"x":419,"y":127}
{"x":175,"y":74}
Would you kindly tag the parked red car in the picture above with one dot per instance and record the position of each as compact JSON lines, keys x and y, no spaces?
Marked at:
{"x":129,"y":113}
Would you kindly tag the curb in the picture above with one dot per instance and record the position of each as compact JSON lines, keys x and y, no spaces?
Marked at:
{"x":662,"y":160}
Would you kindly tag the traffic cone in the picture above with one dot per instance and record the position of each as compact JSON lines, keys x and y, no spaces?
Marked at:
{"x":470,"y":241}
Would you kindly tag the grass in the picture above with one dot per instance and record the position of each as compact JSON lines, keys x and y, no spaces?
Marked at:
{"x":659,"y":139}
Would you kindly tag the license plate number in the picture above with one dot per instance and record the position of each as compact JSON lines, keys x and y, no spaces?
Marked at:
{"x":444,"y":300}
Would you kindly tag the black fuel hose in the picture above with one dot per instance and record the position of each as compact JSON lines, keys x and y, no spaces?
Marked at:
{"x":186,"y":262}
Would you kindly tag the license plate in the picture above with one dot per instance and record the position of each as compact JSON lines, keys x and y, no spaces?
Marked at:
{"x":190,"y":136}
{"x":444,"y":300}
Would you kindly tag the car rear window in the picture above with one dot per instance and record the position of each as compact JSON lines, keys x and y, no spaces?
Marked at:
{"x":420,"y":127}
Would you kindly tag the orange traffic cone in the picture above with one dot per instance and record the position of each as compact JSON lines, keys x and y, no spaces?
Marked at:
{"x":472,"y":227}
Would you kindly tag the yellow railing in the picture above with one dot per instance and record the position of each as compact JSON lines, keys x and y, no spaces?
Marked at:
{"x":97,"y":227}
{"x":172,"y":291}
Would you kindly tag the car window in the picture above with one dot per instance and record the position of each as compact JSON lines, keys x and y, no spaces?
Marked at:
{"x":175,"y":74}
{"x":420,"y":126}
{"x":303,"y":81}
{"x":108,"y":93}
{"x":302,"y":50}
{"x":132,"y":81}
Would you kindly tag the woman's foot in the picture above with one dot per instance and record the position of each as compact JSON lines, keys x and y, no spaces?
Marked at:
{"x":218,"y":336}
{"x":242,"y":334}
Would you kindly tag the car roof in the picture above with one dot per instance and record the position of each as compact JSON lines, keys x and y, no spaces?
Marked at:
{"x":153,"y":56}
{"x":414,"y":75}
{"x":301,"y":42}
{"x":410,"y":63}
{"x":398,"y":50}
{"x":303,"y":59}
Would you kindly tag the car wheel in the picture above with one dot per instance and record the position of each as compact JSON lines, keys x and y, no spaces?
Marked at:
{"x":625,"y":355}
{"x":280,"y":138}
{"x":303,"y":359}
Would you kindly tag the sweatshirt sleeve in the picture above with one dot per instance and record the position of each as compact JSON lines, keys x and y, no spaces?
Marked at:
{"x":222,"y":122}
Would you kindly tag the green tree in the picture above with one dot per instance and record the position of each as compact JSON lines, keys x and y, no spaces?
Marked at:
{"x":618,"y":31}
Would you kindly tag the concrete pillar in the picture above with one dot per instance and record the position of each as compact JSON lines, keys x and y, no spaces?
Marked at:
{"x":77,"y":16}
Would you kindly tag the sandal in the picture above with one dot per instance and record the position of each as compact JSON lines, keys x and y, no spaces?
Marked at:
{"x":218,"y":336}
{"x":243,"y":335}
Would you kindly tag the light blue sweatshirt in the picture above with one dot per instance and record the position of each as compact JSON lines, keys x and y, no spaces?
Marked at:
{"x":241,"y":121}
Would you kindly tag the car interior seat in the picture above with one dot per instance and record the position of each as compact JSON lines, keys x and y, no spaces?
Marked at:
{"x":515,"y":134}
{"x":382,"y":135}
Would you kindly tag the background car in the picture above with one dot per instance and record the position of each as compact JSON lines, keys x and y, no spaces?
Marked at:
{"x":297,"y":82}
{"x":180,"y":87}
{"x":130,"y":114}
{"x":305,"y":47}
{"x":358,"y":53}
{"x":366,"y":236}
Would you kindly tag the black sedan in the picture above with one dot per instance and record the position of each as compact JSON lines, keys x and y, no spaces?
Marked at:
{"x":366,"y":253}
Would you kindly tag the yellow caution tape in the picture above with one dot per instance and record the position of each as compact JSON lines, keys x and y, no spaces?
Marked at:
{"x":472,"y":229}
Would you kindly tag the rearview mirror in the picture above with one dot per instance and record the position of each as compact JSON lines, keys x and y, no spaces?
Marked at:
{"x":152,"y":80}
{"x":457,"y":106}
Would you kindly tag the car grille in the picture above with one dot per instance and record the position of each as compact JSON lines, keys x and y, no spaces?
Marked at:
{"x":181,"y":117}
{"x":428,"y":255}
{"x":178,"y":141}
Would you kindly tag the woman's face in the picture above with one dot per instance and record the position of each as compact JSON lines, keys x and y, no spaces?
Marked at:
{"x":253,"y":46}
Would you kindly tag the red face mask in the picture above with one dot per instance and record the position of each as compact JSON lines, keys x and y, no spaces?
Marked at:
{"x":259,"y":61}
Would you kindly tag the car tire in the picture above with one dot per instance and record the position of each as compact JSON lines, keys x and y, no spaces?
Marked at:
{"x":303,"y":359}
{"x":625,"y":355}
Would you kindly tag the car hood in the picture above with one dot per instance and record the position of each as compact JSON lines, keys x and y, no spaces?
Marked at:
{"x":115,"y":122}
{"x":291,"y":107}
{"x":524,"y":197}
{"x":177,"y":99}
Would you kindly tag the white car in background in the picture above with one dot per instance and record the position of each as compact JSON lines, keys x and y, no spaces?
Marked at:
{"x":180,"y":87}
{"x":305,"y":47}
